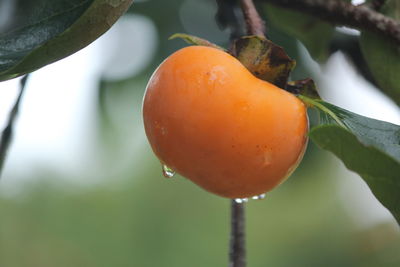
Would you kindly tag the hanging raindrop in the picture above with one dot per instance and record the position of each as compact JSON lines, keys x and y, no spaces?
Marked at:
{"x":167,"y":171}
{"x":241,"y":200}
{"x":259,"y":197}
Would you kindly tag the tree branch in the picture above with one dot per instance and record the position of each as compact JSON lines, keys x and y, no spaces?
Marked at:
{"x":255,"y":25}
{"x":339,"y":12}
{"x":237,"y":253}
{"x":7,"y":134}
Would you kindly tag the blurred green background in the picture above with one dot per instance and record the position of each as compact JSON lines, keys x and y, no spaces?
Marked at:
{"x":133,"y":216}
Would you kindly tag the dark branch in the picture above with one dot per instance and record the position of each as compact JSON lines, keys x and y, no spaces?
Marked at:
{"x":6,"y":136}
{"x":339,"y":12}
{"x":255,"y":25}
{"x":237,"y":253}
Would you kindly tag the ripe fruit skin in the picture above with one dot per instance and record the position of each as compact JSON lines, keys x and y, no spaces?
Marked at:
{"x":209,"y":119}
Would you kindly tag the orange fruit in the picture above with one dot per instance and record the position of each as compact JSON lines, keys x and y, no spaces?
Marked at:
{"x":210,"y":120}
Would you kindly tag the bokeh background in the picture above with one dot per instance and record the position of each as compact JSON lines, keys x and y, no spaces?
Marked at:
{"x":81,"y":186}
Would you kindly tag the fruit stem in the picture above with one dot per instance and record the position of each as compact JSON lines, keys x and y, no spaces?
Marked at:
{"x":237,"y":250}
{"x":254,"y":23}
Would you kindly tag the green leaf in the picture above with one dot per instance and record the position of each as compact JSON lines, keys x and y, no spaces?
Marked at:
{"x":40,"y":32}
{"x":263,"y":58}
{"x":312,"y":32}
{"x":383,"y":56}
{"x":194,"y":40}
{"x":366,"y":146}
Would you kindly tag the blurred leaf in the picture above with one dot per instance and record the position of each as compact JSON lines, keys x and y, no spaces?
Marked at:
{"x":383,"y":56}
{"x":367,"y":146}
{"x":391,"y":8}
{"x":264,"y":59}
{"x":227,"y":18}
{"x":40,"y":32}
{"x":304,"y":87}
{"x":313,"y":33}
{"x":194,"y":40}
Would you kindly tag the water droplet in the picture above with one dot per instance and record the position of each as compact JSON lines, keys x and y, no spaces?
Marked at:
{"x":167,"y":171}
{"x":241,"y":200}
{"x":259,"y":197}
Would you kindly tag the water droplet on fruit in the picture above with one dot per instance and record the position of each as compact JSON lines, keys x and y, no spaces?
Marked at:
{"x":241,"y":200}
{"x":167,"y":171}
{"x":259,"y":197}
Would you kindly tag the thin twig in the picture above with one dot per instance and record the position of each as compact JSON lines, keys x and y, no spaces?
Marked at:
{"x":7,"y":134}
{"x":255,"y":24}
{"x":237,"y":253}
{"x":339,"y":12}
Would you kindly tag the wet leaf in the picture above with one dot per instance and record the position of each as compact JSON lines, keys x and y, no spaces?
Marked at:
{"x":366,"y":146}
{"x":264,"y":59}
{"x":194,"y":40}
{"x":315,"y":34}
{"x":383,"y":56}
{"x":40,"y":32}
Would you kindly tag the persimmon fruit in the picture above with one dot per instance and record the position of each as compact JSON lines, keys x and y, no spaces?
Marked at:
{"x":210,"y":120}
